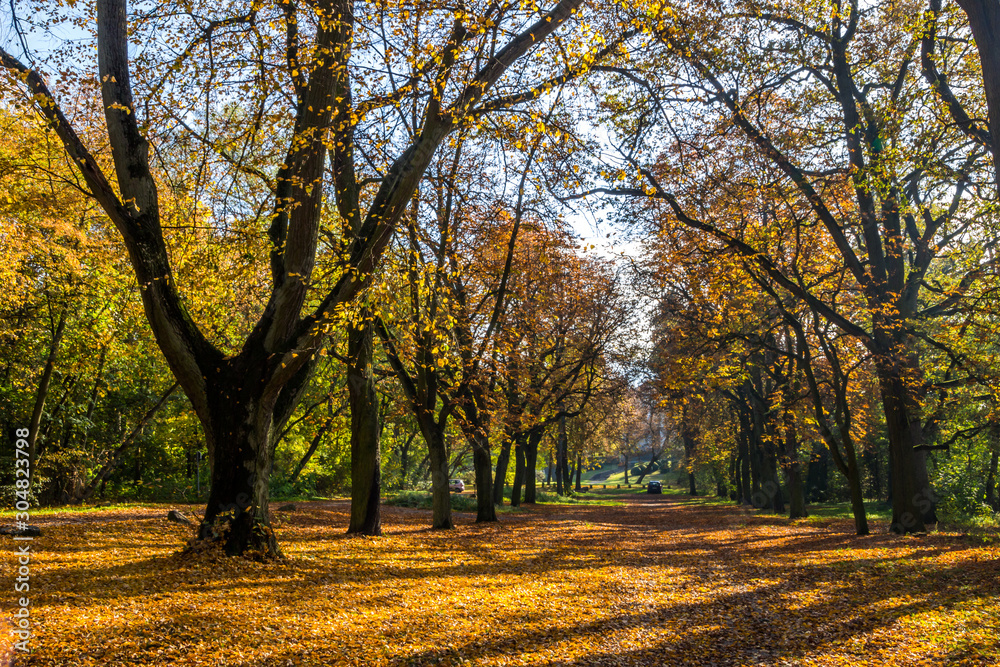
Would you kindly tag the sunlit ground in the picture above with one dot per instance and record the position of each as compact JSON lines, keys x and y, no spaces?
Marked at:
{"x":656,"y":582}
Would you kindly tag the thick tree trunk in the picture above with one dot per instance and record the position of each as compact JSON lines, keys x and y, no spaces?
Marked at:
{"x":366,"y":432}
{"x":818,"y":474}
{"x":241,"y":423}
{"x":241,"y":451}
{"x":990,"y":492}
{"x":912,"y":501}
{"x":475,"y":427}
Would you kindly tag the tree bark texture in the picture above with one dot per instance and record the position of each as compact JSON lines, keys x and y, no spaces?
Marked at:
{"x":366,"y":432}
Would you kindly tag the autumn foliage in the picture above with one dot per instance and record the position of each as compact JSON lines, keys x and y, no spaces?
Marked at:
{"x":671,"y":581}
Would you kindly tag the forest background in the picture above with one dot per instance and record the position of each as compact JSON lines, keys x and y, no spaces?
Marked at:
{"x":308,"y":249}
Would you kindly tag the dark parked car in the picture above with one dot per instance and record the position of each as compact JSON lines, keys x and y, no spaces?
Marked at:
{"x":654,"y":487}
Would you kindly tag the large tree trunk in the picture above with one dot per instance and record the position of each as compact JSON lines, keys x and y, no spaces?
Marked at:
{"x":476,"y":427}
{"x":912,"y":501}
{"x":241,"y":423}
{"x":366,"y":432}
{"x":241,"y":450}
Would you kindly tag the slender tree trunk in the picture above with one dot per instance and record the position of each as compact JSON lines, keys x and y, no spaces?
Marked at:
{"x":41,"y":393}
{"x":579,"y":472}
{"x":102,"y":475}
{"x":562,"y":465}
{"x":531,"y":464}
{"x":689,"y":450}
{"x":734,"y":469}
{"x":746,"y":489}
{"x":648,"y":467}
{"x":404,"y":460}
{"x":721,"y":489}
{"x":313,"y":446}
{"x":990,"y":492}
{"x":500,"y":480}
{"x":984,"y":19}
{"x":475,"y":427}
{"x":793,"y":471}
{"x":483,"y":464}
{"x":366,"y":432}
{"x":774,"y":500}
{"x":519,"y":471}
{"x":626,"y":469}
{"x":440,"y":494}
{"x":857,"y":499}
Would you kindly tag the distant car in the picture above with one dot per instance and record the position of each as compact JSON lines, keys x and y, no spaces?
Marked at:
{"x":456,"y":485}
{"x":654,"y":487}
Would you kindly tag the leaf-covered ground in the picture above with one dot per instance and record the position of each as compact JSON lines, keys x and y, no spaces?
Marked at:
{"x":659,"y":581}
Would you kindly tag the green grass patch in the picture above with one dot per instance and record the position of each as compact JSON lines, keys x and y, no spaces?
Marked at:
{"x":617,"y":476}
{"x":84,"y":509}
{"x":874,"y":509}
{"x":584,"y":498}
{"x":425,"y":501}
